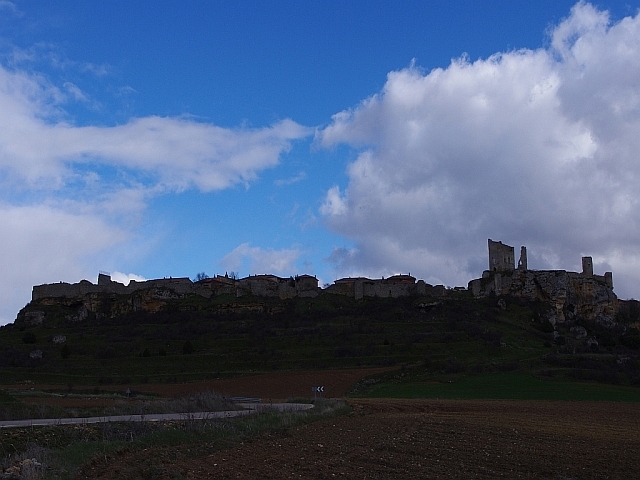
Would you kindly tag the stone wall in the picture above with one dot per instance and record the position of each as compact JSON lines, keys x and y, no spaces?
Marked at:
{"x":71,"y":290}
{"x":258,"y":285}
{"x":393,"y":287}
{"x":273,"y":286}
{"x":380,"y":288}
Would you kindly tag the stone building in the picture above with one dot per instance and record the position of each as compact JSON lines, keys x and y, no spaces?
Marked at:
{"x":258,"y":285}
{"x":522,"y":263}
{"x":501,"y":257}
{"x":394,"y":287}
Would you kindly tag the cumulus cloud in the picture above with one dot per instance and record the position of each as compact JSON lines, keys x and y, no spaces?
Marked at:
{"x":257,"y":260}
{"x":67,"y":188}
{"x":41,"y":244}
{"x":38,"y":146}
{"x":334,"y":204}
{"x":535,"y":147}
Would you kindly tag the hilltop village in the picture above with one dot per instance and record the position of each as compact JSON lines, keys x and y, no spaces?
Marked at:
{"x":256,"y":285}
{"x":569,"y":293}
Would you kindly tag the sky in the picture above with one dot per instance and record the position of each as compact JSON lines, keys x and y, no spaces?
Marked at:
{"x":354,"y":138}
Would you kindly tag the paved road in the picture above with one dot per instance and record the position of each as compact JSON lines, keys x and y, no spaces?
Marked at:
{"x":158,"y":417}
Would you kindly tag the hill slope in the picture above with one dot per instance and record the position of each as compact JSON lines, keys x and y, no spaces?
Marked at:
{"x":194,"y":337}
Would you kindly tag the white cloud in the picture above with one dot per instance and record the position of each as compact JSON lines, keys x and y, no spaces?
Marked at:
{"x":257,"y":260}
{"x":125,"y":278}
{"x":529,"y":147}
{"x":290,"y":181}
{"x":36,"y":145}
{"x":40,"y":244}
{"x":10,"y":6}
{"x":334,"y":204}
{"x":75,"y":92}
{"x":73,"y":193}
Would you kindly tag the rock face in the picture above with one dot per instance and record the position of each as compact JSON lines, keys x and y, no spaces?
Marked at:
{"x":570,"y":294}
{"x":35,"y":354}
{"x":98,"y":305}
{"x":34,"y":317}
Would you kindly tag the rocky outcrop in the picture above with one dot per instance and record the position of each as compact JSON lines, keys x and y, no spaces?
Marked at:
{"x":101,"y":306}
{"x":34,"y":317}
{"x":569,"y":294}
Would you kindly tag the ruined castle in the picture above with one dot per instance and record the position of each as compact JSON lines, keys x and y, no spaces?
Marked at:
{"x":570,"y":293}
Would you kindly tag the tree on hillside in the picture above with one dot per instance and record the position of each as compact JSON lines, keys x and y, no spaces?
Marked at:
{"x":200,"y":276}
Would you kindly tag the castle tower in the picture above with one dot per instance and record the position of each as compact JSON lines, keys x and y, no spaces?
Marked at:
{"x":522,"y":263}
{"x":608,"y":278}
{"x":587,"y":267}
{"x":501,"y":257}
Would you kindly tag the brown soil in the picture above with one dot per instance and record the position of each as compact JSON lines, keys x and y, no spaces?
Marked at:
{"x":67,"y":402}
{"x":272,"y":386}
{"x":386,"y":438}
{"x":268,"y":386}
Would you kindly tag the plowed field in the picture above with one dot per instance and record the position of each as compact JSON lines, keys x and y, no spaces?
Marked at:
{"x":405,"y":439}
{"x":267,"y":386}
{"x":272,"y":386}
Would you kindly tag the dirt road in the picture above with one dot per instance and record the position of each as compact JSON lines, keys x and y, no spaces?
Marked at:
{"x":407,"y":439}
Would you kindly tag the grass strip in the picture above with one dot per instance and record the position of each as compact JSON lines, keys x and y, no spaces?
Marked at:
{"x":510,"y":386}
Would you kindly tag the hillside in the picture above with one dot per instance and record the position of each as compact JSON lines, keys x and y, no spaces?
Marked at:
{"x":189,"y":337}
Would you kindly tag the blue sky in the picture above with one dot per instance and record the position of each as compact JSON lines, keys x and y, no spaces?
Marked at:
{"x":330,"y":138}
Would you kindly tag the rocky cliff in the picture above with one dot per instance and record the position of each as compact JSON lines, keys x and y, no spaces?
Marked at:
{"x":570,"y":294}
{"x":95,"y":304}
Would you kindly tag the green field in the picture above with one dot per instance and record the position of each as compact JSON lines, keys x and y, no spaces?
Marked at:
{"x":512,"y":386}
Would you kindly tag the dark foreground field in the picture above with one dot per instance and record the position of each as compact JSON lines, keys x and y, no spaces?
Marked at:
{"x":389,"y":438}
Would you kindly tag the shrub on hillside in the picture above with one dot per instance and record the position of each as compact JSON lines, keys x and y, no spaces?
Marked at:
{"x":65,"y":351}
{"x":631,"y":340}
{"x":29,"y":337}
{"x":187,"y":348}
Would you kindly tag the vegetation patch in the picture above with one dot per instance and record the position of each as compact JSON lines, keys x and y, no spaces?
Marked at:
{"x":514,"y":386}
{"x":69,"y":451}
